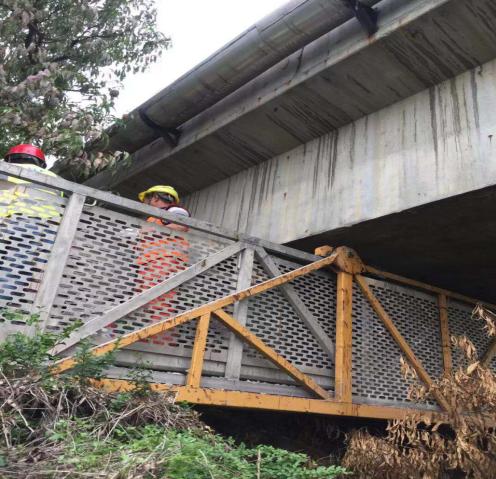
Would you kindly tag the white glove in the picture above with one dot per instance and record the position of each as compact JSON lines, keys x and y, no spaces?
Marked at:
{"x":177,"y":210}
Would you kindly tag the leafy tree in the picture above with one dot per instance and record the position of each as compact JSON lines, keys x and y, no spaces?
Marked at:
{"x":61,"y":64}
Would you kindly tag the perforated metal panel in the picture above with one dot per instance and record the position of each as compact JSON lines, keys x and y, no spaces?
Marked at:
{"x":292,"y":339}
{"x":115,"y":257}
{"x":273,"y":320}
{"x":376,"y":357}
{"x":461,"y":323}
{"x":25,"y":243}
{"x":215,"y":283}
{"x":416,"y":315}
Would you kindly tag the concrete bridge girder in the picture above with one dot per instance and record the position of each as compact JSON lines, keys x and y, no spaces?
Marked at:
{"x":413,"y":178}
{"x":333,"y":81}
{"x":431,"y":146}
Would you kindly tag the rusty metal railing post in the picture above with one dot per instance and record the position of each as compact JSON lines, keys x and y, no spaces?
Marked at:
{"x":445,"y":334}
{"x":196,"y":367}
{"x":348,"y":264}
{"x":343,"y":361}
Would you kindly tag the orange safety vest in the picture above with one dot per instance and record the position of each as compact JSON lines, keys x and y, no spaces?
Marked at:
{"x":166,"y":250}
{"x":159,"y":259}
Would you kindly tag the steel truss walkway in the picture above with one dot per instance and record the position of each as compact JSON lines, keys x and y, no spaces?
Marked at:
{"x":232,"y":320}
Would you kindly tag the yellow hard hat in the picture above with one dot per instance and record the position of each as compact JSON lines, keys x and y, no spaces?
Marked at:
{"x":159,"y":189}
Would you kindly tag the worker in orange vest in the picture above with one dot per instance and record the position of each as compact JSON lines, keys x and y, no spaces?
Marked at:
{"x":162,"y":252}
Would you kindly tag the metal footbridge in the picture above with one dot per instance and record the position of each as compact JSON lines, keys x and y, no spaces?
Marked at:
{"x":231,"y":320}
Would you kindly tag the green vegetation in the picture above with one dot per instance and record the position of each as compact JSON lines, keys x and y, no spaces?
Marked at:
{"x":62,"y":63}
{"x":64,"y":427}
{"x":157,"y":451}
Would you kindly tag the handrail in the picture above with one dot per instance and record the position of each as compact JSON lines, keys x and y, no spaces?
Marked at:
{"x":424,"y":286}
{"x":146,"y":210}
{"x":210,"y":228}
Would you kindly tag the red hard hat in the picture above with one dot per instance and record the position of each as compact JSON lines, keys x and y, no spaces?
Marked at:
{"x":27,"y":150}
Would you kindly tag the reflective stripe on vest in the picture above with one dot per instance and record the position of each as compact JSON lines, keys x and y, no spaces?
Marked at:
{"x":19,"y":196}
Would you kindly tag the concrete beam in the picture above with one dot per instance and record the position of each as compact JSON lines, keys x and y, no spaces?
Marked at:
{"x":335,"y":80}
{"x":431,"y":146}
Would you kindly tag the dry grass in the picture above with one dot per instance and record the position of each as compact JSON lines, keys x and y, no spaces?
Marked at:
{"x":33,"y":408}
{"x":462,"y":444}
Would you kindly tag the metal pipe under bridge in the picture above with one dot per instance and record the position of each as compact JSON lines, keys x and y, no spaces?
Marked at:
{"x":229,"y":320}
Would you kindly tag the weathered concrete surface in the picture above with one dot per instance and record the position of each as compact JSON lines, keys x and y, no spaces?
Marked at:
{"x":436,"y":144}
{"x":389,"y":185}
{"x":332,"y":82}
{"x":449,"y":243}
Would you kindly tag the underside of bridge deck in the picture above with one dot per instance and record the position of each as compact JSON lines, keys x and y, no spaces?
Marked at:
{"x":312,"y":149}
{"x":449,"y":243}
{"x":337,"y":79}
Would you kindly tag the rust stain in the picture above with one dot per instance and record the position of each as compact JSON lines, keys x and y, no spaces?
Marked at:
{"x":456,"y":107}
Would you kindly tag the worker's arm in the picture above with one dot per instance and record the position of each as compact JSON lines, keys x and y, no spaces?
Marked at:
{"x":176,"y":210}
{"x":175,"y":227}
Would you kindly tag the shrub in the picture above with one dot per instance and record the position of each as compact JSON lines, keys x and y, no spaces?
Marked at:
{"x":461,"y":443}
{"x":62,"y":426}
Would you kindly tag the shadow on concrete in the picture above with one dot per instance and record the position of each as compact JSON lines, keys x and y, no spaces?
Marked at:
{"x":450,"y":243}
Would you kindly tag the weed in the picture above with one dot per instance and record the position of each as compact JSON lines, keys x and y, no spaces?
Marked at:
{"x":461,"y":443}
{"x":63,"y":426}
